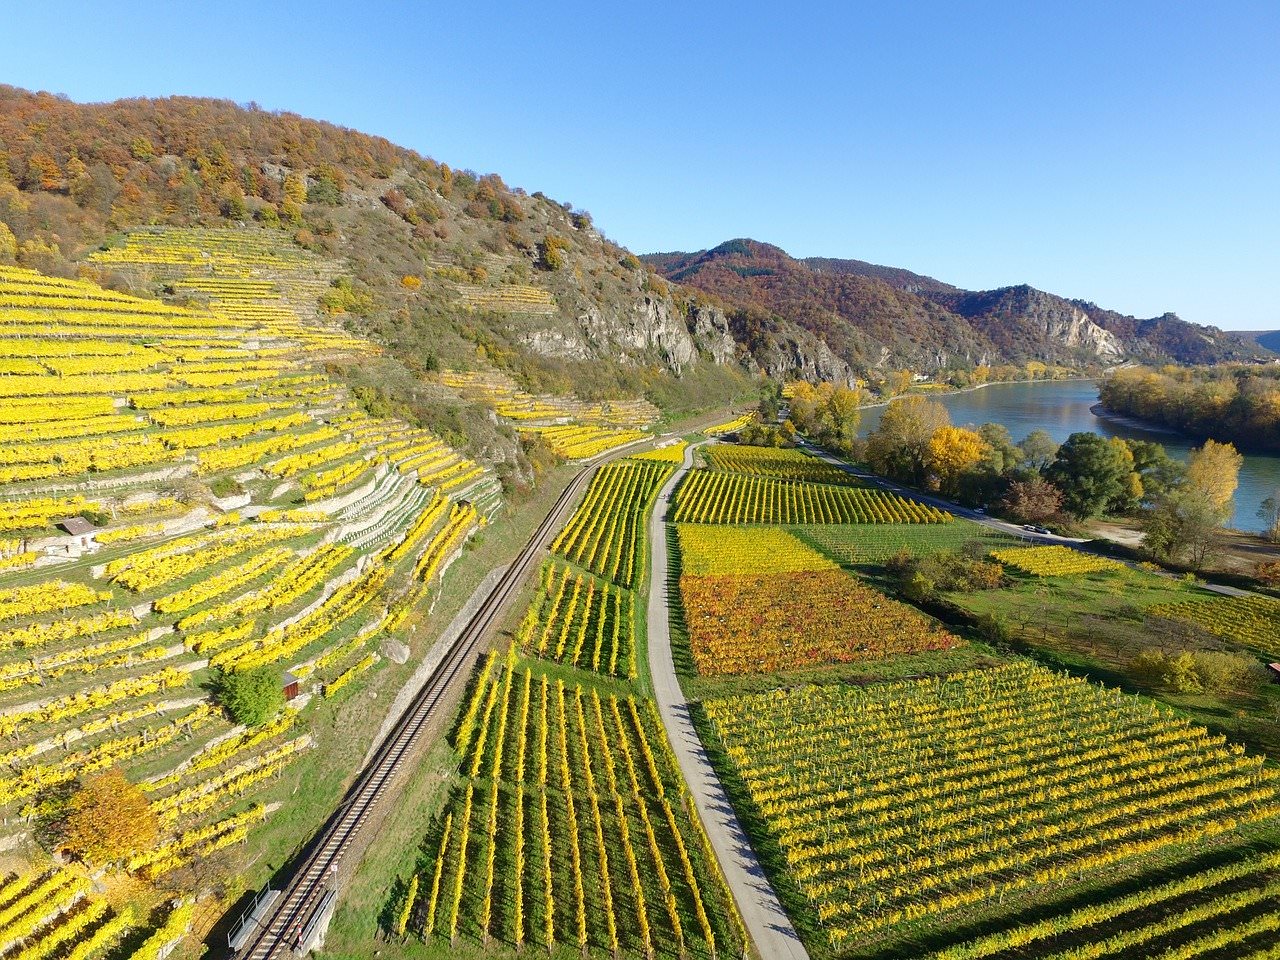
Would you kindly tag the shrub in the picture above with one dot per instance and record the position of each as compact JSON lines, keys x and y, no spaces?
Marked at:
{"x":1268,"y":572}
{"x":1195,"y":671}
{"x":252,"y":697}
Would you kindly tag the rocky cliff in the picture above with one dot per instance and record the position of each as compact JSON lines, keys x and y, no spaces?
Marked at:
{"x":801,"y":316}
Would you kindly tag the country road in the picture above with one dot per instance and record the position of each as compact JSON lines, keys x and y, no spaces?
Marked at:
{"x":766,"y":922}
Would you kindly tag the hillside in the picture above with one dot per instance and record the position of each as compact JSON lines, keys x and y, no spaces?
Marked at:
{"x":446,"y":267}
{"x":1270,"y":339}
{"x":873,"y":315}
{"x":450,"y":269}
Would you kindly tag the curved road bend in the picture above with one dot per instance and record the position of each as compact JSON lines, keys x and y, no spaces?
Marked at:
{"x":762,"y":913}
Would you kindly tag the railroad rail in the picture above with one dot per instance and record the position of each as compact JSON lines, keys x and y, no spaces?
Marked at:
{"x":296,"y":913}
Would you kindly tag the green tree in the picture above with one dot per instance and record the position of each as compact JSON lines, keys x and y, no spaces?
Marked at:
{"x":1185,"y":524}
{"x":1002,"y":454}
{"x":1160,"y":473}
{"x":770,"y":401}
{"x":1269,"y":513}
{"x":1038,"y":450}
{"x":252,"y":697}
{"x":1092,"y":473}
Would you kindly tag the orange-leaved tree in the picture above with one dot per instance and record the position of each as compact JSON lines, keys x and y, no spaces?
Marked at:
{"x":109,"y":819}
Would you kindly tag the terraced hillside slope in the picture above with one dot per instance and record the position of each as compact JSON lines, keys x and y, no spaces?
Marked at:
{"x":445,"y":267}
{"x":187,"y":498}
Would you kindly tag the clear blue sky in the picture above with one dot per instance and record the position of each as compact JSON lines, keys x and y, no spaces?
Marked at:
{"x":1124,"y":152}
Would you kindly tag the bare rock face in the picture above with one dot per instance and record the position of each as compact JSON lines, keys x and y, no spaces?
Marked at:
{"x":395,"y":651}
{"x":805,"y":358}
{"x":709,"y":328}
{"x":652,"y":329}
{"x":1080,"y":331}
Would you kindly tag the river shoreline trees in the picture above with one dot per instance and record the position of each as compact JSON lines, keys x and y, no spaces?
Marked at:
{"x":1182,"y":509}
{"x":1235,"y":403}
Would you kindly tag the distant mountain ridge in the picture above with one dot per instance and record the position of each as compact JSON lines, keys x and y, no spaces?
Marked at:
{"x":870,"y":315}
{"x":1270,"y":339}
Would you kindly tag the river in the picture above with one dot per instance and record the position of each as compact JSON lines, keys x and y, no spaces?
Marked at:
{"x":1063,"y":408}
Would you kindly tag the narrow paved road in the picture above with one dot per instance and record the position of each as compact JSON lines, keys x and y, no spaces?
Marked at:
{"x":766,"y":921}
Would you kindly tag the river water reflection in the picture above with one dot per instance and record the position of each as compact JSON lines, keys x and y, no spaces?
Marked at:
{"x":1063,"y":408}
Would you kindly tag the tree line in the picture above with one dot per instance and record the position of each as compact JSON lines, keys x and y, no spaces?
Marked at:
{"x":1033,"y":481}
{"x":1236,"y":403}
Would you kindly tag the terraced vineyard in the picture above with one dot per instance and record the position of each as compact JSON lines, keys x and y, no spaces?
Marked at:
{"x":185,"y":494}
{"x":55,"y":913}
{"x":574,"y":442}
{"x":510,"y":401}
{"x":904,"y":802}
{"x":731,"y":426}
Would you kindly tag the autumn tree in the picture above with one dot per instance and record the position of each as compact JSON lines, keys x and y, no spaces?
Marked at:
{"x":897,"y":382}
{"x":951,"y":452}
{"x":1187,"y":522}
{"x":1034,"y":500}
{"x":899,"y":446}
{"x":8,"y":244}
{"x":1214,"y":470}
{"x":828,"y":413}
{"x":109,"y":819}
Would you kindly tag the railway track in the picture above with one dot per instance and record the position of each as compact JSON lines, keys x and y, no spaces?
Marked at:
{"x":311,"y":889}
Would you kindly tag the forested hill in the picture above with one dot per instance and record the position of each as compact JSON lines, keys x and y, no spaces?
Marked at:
{"x":451,"y":268}
{"x":869,"y":313}
{"x":446,"y":265}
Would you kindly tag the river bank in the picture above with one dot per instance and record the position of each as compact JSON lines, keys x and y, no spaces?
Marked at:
{"x":1064,"y":407}
{"x":956,"y":391}
{"x":1133,"y":423}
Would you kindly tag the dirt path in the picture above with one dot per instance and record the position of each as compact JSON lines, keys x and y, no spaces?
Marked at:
{"x":762,"y":913}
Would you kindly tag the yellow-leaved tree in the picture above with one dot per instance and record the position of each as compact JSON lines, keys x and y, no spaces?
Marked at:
{"x":1214,"y":470}
{"x":952,"y":452}
{"x":110,"y":819}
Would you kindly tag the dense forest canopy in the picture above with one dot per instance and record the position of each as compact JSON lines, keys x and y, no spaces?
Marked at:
{"x":1236,"y":403}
